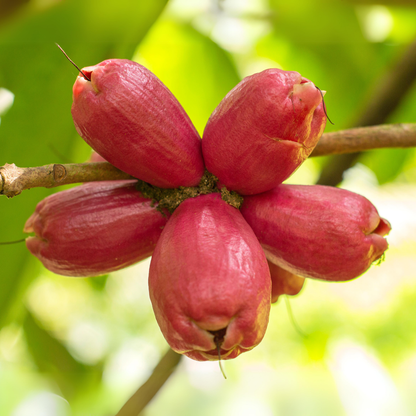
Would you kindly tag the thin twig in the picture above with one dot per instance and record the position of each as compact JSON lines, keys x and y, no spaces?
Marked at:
{"x":154,"y":383}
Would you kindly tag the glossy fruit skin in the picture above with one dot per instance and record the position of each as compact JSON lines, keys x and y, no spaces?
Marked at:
{"x":209,"y":272}
{"x":284,"y":282}
{"x":94,"y":229}
{"x":263,"y":130}
{"x":128,"y":116}
{"x":317,"y":231}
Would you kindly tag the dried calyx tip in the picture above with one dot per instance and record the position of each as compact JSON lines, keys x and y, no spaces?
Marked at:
{"x":218,"y":341}
{"x":73,"y":63}
{"x":323,"y":104}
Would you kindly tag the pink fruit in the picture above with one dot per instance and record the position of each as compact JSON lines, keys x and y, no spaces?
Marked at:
{"x":263,"y":130}
{"x":95,"y":157}
{"x":94,"y":229}
{"x":284,"y":282}
{"x":133,"y":121}
{"x":209,"y":279}
{"x":317,"y":231}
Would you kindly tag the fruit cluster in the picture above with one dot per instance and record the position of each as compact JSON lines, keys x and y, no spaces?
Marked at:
{"x":215,"y":269}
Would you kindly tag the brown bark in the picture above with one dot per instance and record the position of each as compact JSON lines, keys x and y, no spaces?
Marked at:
{"x":14,"y":180}
{"x":366,"y":138}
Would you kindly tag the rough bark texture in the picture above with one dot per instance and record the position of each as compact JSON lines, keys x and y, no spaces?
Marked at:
{"x":14,"y":180}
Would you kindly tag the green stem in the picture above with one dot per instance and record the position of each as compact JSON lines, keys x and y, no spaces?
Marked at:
{"x":148,"y":390}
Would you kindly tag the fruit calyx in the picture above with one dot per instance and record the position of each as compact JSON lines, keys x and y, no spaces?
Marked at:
{"x":170,"y":199}
{"x":219,"y":336}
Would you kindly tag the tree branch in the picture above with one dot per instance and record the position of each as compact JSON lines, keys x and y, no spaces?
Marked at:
{"x":385,"y":98}
{"x":154,"y":383}
{"x":366,"y":138}
{"x":14,"y":180}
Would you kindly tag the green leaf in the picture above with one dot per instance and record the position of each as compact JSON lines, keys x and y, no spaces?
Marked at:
{"x":51,"y":357}
{"x":39,"y":121}
{"x":386,"y":163}
{"x":197,"y":71}
{"x":98,"y":282}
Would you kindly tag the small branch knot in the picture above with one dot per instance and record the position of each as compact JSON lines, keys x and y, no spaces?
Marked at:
{"x":10,"y":174}
{"x":59,"y":172}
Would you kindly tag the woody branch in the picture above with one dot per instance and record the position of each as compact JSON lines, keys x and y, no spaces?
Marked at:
{"x":14,"y":180}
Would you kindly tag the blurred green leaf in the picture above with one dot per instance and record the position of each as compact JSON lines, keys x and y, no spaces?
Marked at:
{"x":403,"y":23}
{"x":386,"y":163}
{"x":197,"y":71}
{"x":98,"y":282}
{"x":32,"y":67}
{"x":309,"y":38}
{"x":51,"y":357}
{"x":308,"y":21}
{"x":393,"y":334}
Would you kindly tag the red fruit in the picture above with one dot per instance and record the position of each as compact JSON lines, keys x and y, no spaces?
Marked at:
{"x":263,"y":130}
{"x":209,"y":277}
{"x":133,"y":121}
{"x":94,"y":229}
{"x":317,"y":231}
{"x":284,"y":282}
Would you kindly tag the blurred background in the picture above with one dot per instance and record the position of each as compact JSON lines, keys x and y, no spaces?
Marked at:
{"x":83,"y":346}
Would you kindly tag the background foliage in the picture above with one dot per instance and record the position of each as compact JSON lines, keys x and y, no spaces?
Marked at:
{"x":83,"y":346}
